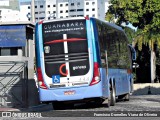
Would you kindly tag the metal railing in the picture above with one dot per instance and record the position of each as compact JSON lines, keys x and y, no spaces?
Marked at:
{"x":13,"y":83}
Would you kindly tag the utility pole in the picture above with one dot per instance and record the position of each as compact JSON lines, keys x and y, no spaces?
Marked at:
{"x":33,"y":11}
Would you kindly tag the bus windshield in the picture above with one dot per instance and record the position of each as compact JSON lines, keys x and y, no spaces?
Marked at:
{"x":65,"y":42}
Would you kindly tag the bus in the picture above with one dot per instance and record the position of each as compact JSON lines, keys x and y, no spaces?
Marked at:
{"x":82,"y":60}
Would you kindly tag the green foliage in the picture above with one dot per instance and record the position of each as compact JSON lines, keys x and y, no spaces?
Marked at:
{"x":130,"y":34}
{"x":144,"y":14}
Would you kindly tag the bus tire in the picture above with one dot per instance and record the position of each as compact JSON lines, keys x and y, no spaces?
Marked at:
{"x":112,"y":96}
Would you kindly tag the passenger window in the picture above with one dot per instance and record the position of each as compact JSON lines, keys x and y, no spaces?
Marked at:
{"x":103,"y":59}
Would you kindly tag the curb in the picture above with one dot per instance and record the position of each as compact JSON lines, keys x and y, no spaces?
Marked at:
{"x":146,"y":89}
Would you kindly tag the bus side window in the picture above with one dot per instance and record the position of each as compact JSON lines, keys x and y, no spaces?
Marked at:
{"x":103,"y":59}
{"x":101,"y":38}
{"x":124,"y":61}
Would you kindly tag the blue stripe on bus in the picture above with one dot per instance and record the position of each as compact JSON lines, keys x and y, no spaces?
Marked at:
{"x":88,"y":33}
{"x":37,"y":46}
{"x":93,"y":41}
{"x":90,"y":46}
{"x":98,"y":57}
{"x":41,"y":50}
{"x":42,"y":54}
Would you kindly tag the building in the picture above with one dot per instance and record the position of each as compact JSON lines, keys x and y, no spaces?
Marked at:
{"x":75,"y":8}
{"x":13,"y":10}
{"x":17,"y":86}
{"x":25,"y":11}
{"x":107,"y":4}
{"x":40,"y":9}
{"x":9,"y":10}
{"x":53,"y":9}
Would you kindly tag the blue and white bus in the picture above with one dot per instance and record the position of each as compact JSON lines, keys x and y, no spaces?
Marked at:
{"x":82,"y":60}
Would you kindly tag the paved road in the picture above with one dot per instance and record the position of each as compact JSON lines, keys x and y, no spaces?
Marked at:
{"x":136,"y":103}
{"x":146,"y":106}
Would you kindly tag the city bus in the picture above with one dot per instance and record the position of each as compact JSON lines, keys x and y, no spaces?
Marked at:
{"x":82,"y":60}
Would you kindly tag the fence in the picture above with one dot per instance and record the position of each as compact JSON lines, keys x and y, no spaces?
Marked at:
{"x":13,"y":84}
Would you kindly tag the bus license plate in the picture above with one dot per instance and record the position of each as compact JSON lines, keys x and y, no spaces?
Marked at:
{"x":70,"y":92}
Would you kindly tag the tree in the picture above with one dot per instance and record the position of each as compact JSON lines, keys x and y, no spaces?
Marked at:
{"x":144,"y":14}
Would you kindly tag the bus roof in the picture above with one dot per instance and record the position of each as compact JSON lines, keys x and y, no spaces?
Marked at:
{"x":110,"y":24}
{"x":114,"y":25}
{"x":75,"y":18}
{"x":61,"y":19}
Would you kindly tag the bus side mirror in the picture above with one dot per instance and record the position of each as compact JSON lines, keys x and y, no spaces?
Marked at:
{"x":134,"y":55}
{"x":133,"y":52}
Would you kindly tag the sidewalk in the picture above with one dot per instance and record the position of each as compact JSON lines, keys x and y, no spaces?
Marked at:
{"x":146,"y":88}
{"x":8,"y":109}
{"x":38,"y":108}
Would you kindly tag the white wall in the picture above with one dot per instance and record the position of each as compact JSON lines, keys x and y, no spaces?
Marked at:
{"x":62,"y":7}
{"x":4,"y":3}
{"x":8,"y":15}
{"x":91,"y":8}
{"x":50,"y":9}
{"x":107,"y":5}
{"x":101,"y":9}
{"x":76,"y":8}
{"x":40,"y":10}
{"x":25,"y":11}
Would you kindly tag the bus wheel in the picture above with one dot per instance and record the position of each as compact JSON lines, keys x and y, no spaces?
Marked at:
{"x":57,"y":105}
{"x":112,"y":96}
